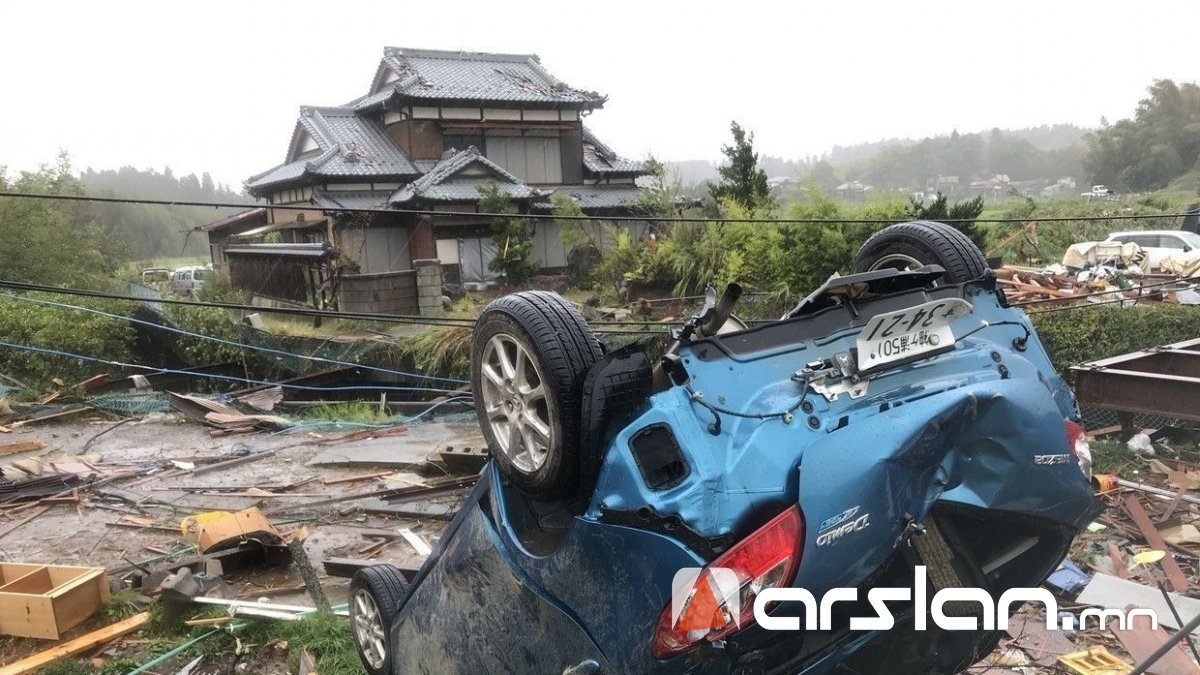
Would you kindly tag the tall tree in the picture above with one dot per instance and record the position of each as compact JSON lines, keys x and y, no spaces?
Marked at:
{"x":1159,"y":144}
{"x":742,"y":182}
{"x":513,"y":238}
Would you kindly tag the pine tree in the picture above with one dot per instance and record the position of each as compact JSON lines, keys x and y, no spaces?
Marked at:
{"x":741,"y":180}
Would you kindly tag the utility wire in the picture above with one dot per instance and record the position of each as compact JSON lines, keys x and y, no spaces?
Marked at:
{"x":297,"y":311}
{"x":213,"y":376}
{"x":551,"y":216}
{"x":268,"y":350}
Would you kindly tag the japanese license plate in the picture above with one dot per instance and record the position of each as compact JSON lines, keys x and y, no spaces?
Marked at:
{"x":908,"y":333}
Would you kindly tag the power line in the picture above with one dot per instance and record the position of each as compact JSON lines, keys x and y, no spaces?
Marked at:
{"x":214,"y":376}
{"x":212,"y":338}
{"x":551,"y":216}
{"x":450,"y":322}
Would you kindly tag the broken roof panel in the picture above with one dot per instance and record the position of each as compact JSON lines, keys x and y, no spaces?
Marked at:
{"x":458,"y":176}
{"x":598,"y":158}
{"x":247,"y":217}
{"x":433,"y":75}
{"x":599,"y":196}
{"x":350,"y":147}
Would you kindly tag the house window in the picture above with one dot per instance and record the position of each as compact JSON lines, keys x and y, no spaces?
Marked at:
{"x":461,"y":140}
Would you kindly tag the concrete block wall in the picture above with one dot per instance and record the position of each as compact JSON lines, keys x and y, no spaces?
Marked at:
{"x":429,"y":286}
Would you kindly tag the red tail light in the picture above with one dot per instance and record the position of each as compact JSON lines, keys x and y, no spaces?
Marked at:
{"x":768,"y":558}
{"x":1077,"y":443}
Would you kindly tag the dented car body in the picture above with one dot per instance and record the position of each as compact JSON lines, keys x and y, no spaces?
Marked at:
{"x":958,"y":457}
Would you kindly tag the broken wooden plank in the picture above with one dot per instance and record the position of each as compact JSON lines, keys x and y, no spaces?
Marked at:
{"x":366,"y":433}
{"x":237,"y":461}
{"x":1140,"y":640}
{"x":21,"y":446}
{"x":76,"y":646}
{"x":14,"y":525}
{"x":415,"y":540}
{"x":1043,"y":646}
{"x":1175,"y":575}
{"x":361,"y":476}
{"x":1119,"y":565}
{"x":51,"y":416}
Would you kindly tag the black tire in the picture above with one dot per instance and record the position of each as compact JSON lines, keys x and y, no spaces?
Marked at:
{"x":563,"y":347}
{"x":385,"y":586}
{"x":926,"y":242}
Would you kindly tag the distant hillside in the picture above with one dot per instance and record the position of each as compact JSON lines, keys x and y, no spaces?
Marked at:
{"x":144,"y":231}
{"x":1047,"y":152}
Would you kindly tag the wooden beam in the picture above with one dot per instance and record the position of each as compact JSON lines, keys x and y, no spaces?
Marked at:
{"x":14,"y":525}
{"x":1175,"y":575}
{"x":21,"y":446}
{"x":76,"y":646}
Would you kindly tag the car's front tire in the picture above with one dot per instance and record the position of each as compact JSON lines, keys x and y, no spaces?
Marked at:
{"x":375,"y":594}
{"x":922,"y":242}
{"x":529,"y":356}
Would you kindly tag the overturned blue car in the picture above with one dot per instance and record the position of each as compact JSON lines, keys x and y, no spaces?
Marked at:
{"x":901,"y":428}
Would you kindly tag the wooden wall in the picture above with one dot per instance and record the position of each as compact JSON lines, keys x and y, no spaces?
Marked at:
{"x":419,"y":139}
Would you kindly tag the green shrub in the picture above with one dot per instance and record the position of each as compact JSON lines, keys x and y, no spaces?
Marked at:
{"x":1076,"y":336}
{"x":66,"y":330}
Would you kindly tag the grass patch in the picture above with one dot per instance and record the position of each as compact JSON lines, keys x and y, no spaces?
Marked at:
{"x":350,"y":411}
{"x":326,"y":636}
{"x":446,"y":351}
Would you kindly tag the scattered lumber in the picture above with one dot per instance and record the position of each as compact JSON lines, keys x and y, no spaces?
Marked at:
{"x":76,"y":646}
{"x":357,"y":478}
{"x":1175,"y":575}
{"x":21,"y":446}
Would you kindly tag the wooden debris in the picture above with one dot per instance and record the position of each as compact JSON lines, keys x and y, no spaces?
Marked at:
{"x":359,"y":477}
{"x":237,"y":461}
{"x":50,"y":416}
{"x":4,"y":530}
{"x":415,"y":540}
{"x":215,"y":621}
{"x":1175,"y":575}
{"x":398,"y":430}
{"x":76,"y":646}
{"x":308,"y":664}
{"x":1095,"y":661}
{"x":1043,"y":646}
{"x":1140,"y":640}
{"x":21,"y":446}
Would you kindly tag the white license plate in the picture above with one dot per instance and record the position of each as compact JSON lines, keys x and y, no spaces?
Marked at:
{"x":908,"y":333}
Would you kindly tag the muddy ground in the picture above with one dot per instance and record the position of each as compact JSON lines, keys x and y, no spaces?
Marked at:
{"x":87,"y":533}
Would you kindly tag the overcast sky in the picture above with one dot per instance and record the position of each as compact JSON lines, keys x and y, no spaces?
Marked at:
{"x":215,"y":86}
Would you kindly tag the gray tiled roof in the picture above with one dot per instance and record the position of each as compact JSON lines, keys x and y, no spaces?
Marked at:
{"x":598,"y":196}
{"x":431,"y":75}
{"x":441,"y":182}
{"x":600,"y":159}
{"x":350,"y":146}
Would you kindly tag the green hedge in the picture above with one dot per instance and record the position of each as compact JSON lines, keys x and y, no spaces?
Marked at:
{"x":1075,"y":336}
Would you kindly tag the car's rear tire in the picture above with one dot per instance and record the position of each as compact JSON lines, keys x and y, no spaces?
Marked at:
{"x":375,"y":594}
{"x":529,"y":356}
{"x":922,"y":242}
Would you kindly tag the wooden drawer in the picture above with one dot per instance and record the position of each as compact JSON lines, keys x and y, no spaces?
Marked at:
{"x":45,"y":601}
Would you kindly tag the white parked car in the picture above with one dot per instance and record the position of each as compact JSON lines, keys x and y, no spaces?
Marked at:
{"x":189,"y":280}
{"x":1159,"y":244}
